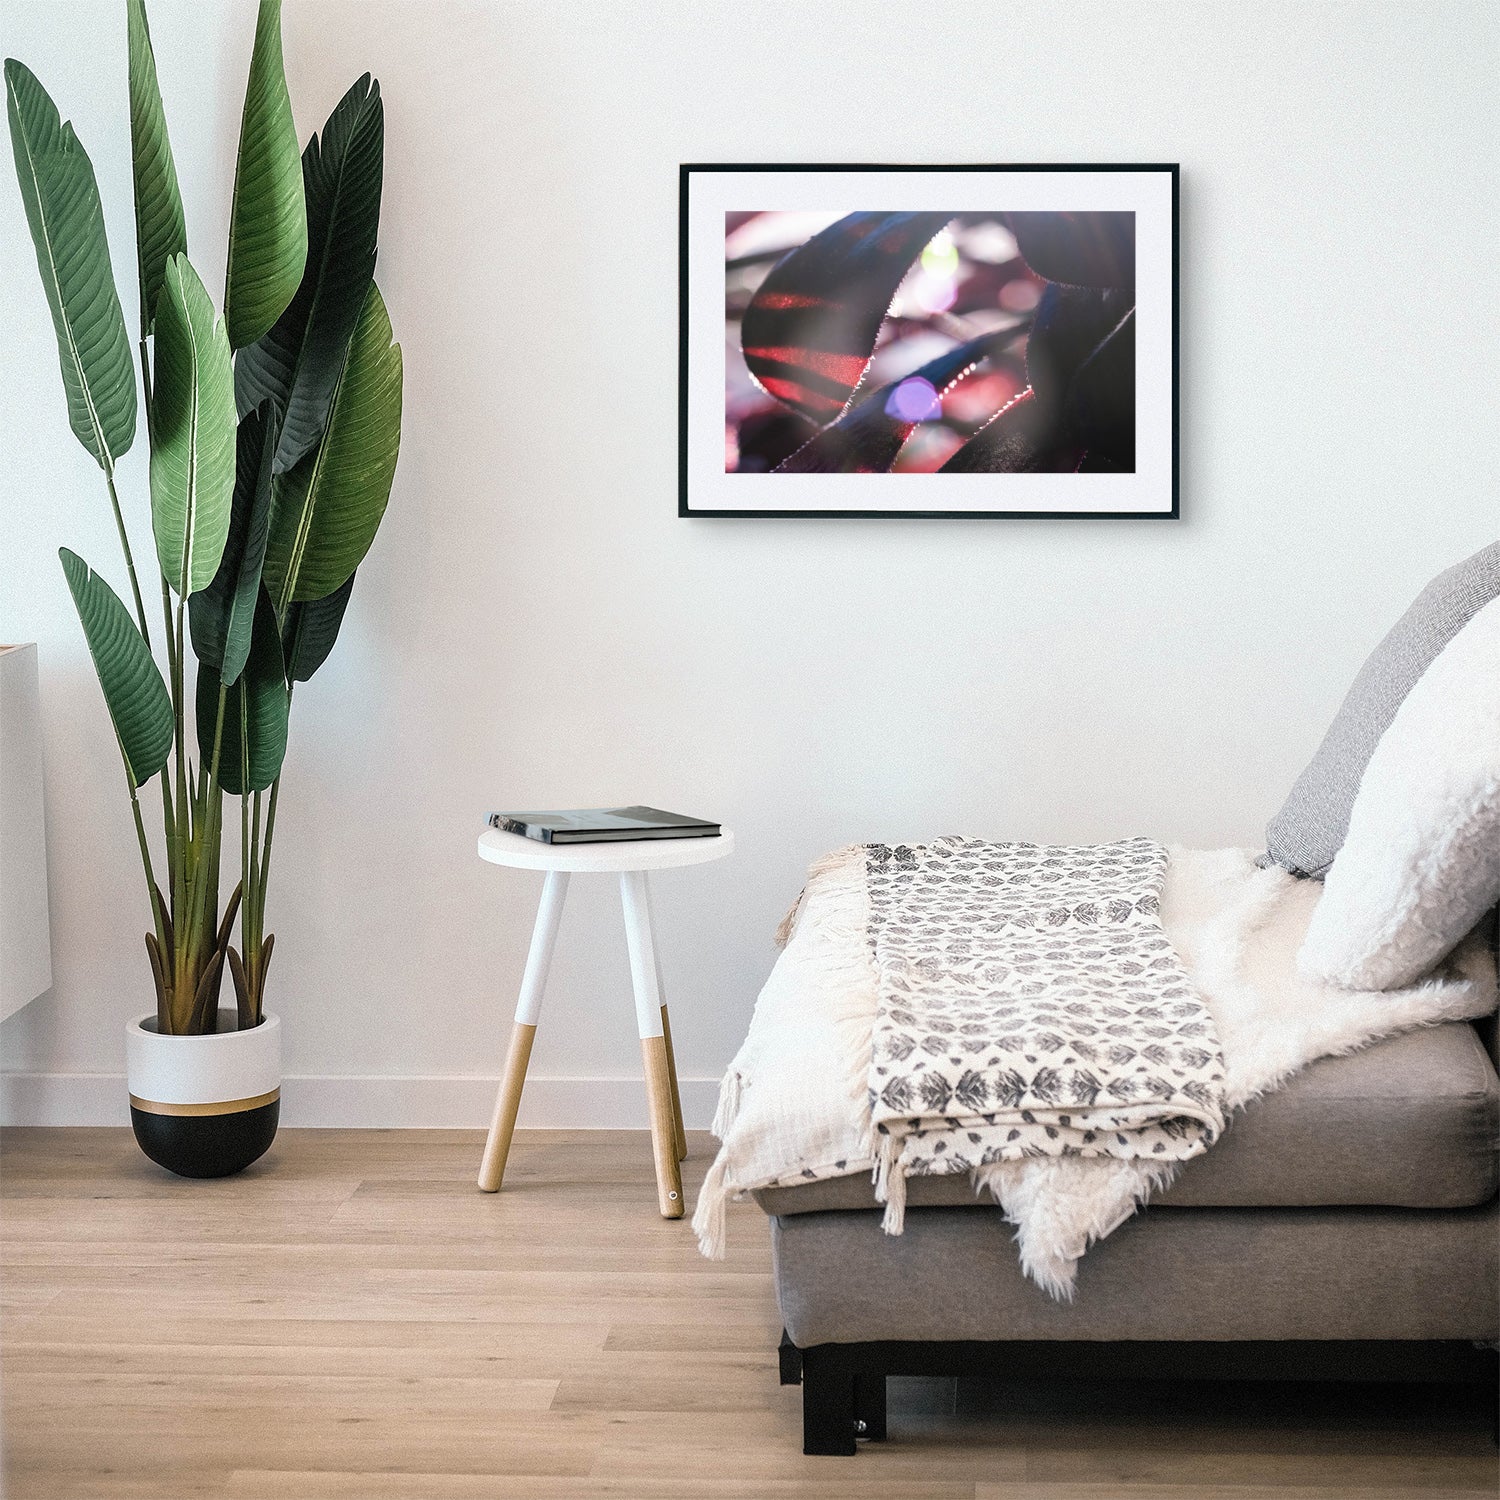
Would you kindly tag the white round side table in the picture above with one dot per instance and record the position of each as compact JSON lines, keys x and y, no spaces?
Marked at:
{"x":631,"y":860}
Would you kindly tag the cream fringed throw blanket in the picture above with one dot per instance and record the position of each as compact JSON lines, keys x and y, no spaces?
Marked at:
{"x":796,"y":1104}
{"x":1029,"y":1004}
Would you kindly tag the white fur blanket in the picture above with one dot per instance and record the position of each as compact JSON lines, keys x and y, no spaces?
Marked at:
{"x":794,"y":1105}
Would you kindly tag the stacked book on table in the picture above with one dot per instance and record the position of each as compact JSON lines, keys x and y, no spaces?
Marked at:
{"x":602,"y":825}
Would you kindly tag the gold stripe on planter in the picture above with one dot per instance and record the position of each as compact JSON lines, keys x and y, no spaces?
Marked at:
{"x":218,"y":1107}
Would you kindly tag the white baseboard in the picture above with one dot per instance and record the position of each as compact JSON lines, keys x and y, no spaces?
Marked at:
{"x":461,"y":1101}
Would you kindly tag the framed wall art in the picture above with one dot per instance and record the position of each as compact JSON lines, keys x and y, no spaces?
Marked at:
{"x":928,"y":341}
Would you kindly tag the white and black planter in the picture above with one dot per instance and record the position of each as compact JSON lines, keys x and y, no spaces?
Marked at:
{"x":204,"y":1106}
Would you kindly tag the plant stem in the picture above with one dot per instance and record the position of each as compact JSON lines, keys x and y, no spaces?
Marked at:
{"x":264,"y":876}
{"x":208,"y":806}
{"x":114,"y":500}
{"x":265,"y":867}
{"x":265,"y":852}
{"x":176,"y":823}
{"x":247,"y":909}
{"x":163,"y":1019}
{"x":185,"y":836}
{"x":254,"y":963}
{"x":135,"y":588}
{"x":249,"y":877}
{"x":140,"y":834}
{"x":252,"y":931}
{"x":255,"y":842}
{"x":168,"y":818}
{"x":247,"y":889}
{"x":213,"y":765}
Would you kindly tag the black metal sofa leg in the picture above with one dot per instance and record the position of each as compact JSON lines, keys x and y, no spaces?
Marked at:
{"x":789,"y":1358}
{"x":869,"y":1406}
{"x":828,"y":1401}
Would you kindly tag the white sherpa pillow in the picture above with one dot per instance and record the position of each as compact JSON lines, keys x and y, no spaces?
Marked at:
{"x":1421,"y":863}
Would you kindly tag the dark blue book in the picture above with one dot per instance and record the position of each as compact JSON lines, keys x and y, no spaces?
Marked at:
{"x":602,"y":825}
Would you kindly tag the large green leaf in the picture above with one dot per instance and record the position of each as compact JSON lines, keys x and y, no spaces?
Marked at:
{"x":72,"y":253}
{"x":310,"y":629}
{"x":192,"y":432}
{"x":256,"y":704}
{"x":160,"y":229}
{"x":133,"y":690}
{"x":297,"y":364}
{"x":222,"y":614}
{"x":325,"y":513}
{"x":268,"y":222}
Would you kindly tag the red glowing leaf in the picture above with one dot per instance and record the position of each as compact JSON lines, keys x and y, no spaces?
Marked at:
{"x":1081,"y":249}
{"x":811,"y":327}
{"x":869,"y":436}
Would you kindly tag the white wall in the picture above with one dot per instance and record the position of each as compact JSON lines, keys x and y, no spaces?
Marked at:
{"x":535,"y":626}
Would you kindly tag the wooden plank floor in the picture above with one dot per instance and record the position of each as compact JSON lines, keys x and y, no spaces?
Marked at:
{"x":351,"y":1318}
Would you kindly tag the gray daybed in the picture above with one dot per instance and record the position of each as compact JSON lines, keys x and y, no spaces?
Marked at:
{"x":1347,"y":1225}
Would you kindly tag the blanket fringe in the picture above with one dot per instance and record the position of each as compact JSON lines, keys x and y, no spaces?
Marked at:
{"x":825,"y":864}
{"x":712,"y":1209}
{"x":729,"y":1104}
{"x":889,"y":1178}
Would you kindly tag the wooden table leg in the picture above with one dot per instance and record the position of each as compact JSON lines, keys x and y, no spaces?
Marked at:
{"x":663,"y":1136}
{"x":507,"y":1102}
{"x":648,"y":1014}
{"x":679,"y":1129}
{"x":528,"y":1010}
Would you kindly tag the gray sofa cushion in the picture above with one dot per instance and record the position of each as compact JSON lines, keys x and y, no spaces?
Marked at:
{"x":1204,"y":1273}
{"x":1309,"y":830}
{"x":1408,"y":1123}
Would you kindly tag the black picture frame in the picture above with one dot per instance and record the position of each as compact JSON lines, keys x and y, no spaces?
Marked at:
{"x":685,"y":507}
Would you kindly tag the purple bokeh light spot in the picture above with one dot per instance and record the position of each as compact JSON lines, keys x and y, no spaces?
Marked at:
{"x":914,"y":400}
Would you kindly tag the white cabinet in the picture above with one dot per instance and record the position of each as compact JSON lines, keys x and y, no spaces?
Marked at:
{"x":25,"y":935}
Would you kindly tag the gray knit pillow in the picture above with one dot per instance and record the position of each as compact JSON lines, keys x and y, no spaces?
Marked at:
{"x":1309,"y":830}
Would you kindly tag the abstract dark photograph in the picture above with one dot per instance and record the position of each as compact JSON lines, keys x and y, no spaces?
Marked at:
{"x":929,"y":342}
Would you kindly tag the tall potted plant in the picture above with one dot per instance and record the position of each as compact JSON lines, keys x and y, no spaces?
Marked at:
{"x":274,"y":430}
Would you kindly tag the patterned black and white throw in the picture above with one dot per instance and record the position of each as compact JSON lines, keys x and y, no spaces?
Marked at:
{"x":1031,"y":1005}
